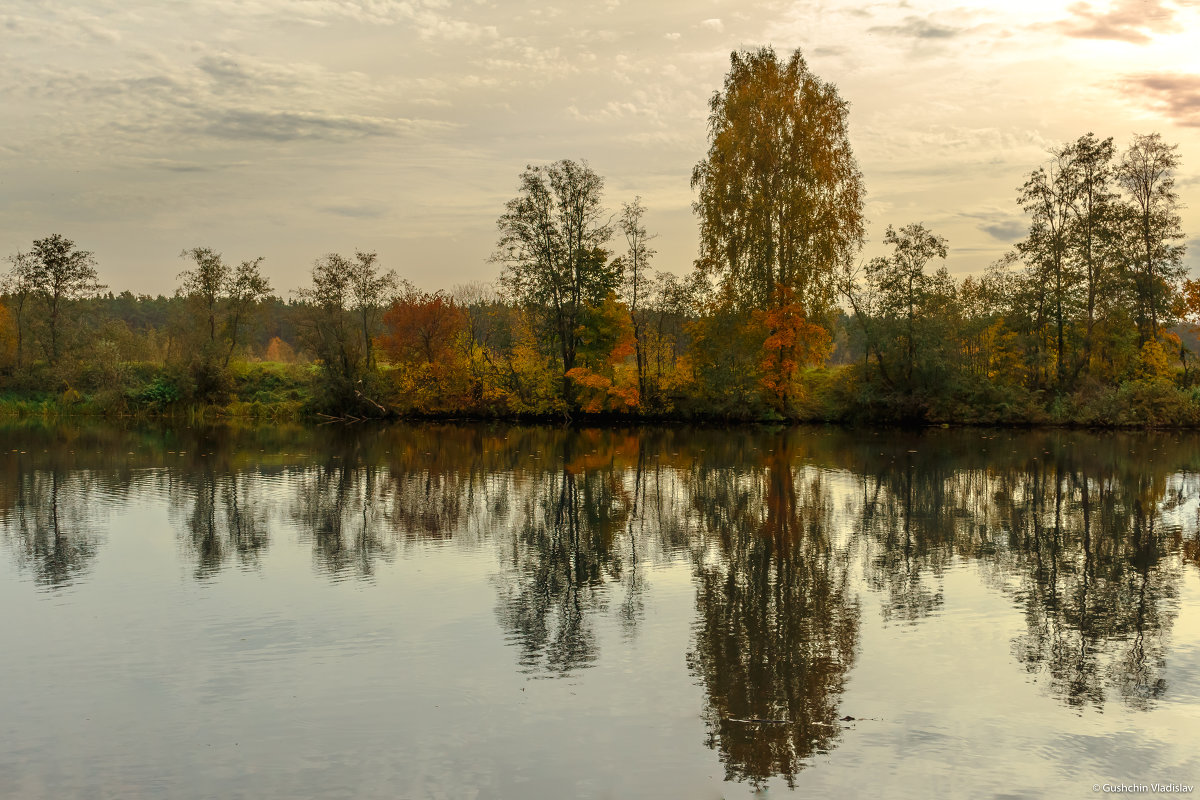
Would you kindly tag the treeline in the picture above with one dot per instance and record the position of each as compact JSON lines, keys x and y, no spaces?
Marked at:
{"x":1084,"y":321}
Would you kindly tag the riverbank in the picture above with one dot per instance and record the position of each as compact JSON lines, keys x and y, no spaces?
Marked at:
{"x":277,"y":392}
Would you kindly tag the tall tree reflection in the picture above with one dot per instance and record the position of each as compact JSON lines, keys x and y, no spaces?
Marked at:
{"x":909,"y":532}
{"x":778,"y":621}
{"x":1090,"y":552}
{"x":223,"y":516}
{"x":1088,"y":536}
{"x":561,"y":551}
{"x":48,"y":521}
{"x":1070,"y":527}
{"x":338,"y":505}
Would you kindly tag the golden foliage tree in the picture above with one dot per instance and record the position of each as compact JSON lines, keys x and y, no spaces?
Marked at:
{"x":780,"y":194}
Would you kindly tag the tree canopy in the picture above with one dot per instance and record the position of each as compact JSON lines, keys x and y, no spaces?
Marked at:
{"x":552,"y":245}
{"x":780,"y":194}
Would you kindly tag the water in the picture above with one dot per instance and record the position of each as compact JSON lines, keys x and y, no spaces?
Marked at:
{"x":533,"y":612}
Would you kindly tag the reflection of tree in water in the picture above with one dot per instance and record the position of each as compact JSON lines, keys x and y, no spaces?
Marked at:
{"x":584,"y":521}
{"x":223,"y":516}
{"x":1085,"y":533}
{"x":1090,"y":552}
{"x":561,"y":552}
{"x":1078,"y":541}
{"x":778,"y":624}
{"x":909,"y":533}
{"x":338,"y":505}
{"x":47,"y":521}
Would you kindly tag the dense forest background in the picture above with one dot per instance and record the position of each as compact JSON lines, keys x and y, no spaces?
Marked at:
{"x":1087,"y":320}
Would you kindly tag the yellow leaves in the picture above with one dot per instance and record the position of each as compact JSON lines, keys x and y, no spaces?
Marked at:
{"x":531,"y":384}
{"x":993,"y":351}
{"x":1153,"y":361}
{"x":598,"y":393}
{"x":1190,"y":301}
{"x":779,"y":171}
{"x":8,"y":337}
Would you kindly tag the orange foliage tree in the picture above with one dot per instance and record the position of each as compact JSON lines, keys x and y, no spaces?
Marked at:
{"x":792,"y":342}
{"x":421,"y":334}
{"x":1188,"y":311}
{"x":608,"y":380}
{"x":421,"y":328}
{"x":279,"y":351}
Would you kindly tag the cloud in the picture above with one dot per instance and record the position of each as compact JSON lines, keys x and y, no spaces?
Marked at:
{"x":917,"y":28}
{"x":713,"y":24}
{"x":1005,"y":231}
{"x":1174,"y":95}
{"x":179,"y":165}
{"x":429,"y":18}
{"x":227,"y":72}
{"x":1191,"y":256}
{"x":999,"y":225}
{"x":282,"y":126}
{"x":222,"y":97}
{"x":357,"y":210}
{"x":1125,"y":20}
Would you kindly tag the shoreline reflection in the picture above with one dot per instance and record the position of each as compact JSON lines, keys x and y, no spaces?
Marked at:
{"x":790,"y":537}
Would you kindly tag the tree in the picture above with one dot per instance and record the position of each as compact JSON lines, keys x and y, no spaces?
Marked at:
{"x":19,"y":286}
{"x":903,"y":288}
{"x":222,"y":298}
{"x":369,"y":290}
{"x":247,"y":289}
{"x":637,"y":284}
{"x":421,"y":328}
{"x":59,"y":275}
{"x":602,"y":378}
{"x":205,"y":285}
{"x":780,"y":195}
{"x":670,"y":306}
{"x":1047,"y":197}
{"x":792,"y":343}
{"x":421,"y":338}
{"x":488,"y":325}
{"x":552,"y":238}
{"x":279,"y":351}
{"x":1147,"y":173}
{"x":8,"y":338}
{"x":1090,"y":232}
{"x":341,"y":321}
{"x":330,"y":330}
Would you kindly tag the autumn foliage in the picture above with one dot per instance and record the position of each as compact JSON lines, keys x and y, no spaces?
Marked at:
{"x":421,"y":328}
{"x":792,"y":342}
{"x":1088,"y":319}
{"x":8,"y":338}
{"x":422,"y":340}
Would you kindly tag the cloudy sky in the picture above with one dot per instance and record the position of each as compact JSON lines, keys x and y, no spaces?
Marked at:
{"x":293,"y":128}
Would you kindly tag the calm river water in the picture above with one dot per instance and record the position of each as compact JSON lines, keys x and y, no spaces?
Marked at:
{"x":445,"y":611}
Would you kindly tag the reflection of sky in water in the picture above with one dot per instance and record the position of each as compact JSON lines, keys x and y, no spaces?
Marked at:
{"x":405,"y":646}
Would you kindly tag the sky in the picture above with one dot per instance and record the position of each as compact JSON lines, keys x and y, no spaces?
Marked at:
{"x":288,"y":129}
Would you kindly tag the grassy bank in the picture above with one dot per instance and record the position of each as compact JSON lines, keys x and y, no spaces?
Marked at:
{"x":278,"y":392}
{"x":260,"y":391}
